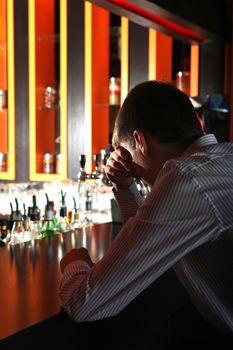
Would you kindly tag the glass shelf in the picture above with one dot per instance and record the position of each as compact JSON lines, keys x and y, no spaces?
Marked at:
{"x":48,"y":89}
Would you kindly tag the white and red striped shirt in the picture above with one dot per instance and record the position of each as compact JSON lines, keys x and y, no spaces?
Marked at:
{"x":185,"y":223}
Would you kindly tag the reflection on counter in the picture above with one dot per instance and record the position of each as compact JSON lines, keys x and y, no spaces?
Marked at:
{"x":30,"y":274}
{"x":96,"y":239}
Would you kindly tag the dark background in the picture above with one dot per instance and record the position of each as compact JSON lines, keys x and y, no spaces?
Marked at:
{"x":213,"y":15}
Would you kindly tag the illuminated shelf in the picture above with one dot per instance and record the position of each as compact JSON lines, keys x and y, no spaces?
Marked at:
{"x":50,"y":70}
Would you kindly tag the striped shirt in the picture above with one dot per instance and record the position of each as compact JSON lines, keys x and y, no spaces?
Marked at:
{"x":185,"y":223}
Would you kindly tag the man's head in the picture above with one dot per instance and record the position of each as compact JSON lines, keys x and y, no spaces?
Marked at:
{"x":156,"y":122}
{"x":160,"y":109}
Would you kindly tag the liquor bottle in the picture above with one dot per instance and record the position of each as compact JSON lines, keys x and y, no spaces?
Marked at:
{"x":48,"y":228}
{"x":26,"y":221}
{"x":87,"y":214}
{"x":17,"y":231}
{"x":63,"y":220}
{"x":9,"y":225}
{"x":35,"y":224}
{"x":82,"y":182}
{"x":76,"y":222}
{"x":3,"y":229}
{"x":82,"y":175}
{"x":56,"y":224}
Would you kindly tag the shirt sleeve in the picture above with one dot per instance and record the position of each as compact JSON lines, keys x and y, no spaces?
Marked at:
{"x":173,"y":220}
{"x":128,"y":201}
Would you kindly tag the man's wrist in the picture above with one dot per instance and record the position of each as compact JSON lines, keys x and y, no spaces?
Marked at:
{"x":122,"y":187}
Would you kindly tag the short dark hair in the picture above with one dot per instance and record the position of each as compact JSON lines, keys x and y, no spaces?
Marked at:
{"x":160,"y":109}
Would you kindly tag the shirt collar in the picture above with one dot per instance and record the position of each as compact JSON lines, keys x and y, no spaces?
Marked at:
{"x":205,"y":140}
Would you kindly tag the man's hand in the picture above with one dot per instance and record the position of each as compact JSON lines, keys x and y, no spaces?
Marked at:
{"x":73,"y":255}
{"x":119,"y":168}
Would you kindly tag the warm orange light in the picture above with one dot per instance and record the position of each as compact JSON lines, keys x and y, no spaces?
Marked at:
{"x":194,"y":70}
{"x":168,"y":24}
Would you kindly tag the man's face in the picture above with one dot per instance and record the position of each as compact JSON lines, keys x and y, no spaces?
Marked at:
{"x":138,"y":160}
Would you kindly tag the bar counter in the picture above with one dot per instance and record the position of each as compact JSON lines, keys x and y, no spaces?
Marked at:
{"x":30,"y":309}
{"x":30,"y":275}
{"x":31,"y":315}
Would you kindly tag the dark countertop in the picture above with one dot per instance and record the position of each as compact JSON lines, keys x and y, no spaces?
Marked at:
{"x":31,"y":315}
{"x":30,"y":275}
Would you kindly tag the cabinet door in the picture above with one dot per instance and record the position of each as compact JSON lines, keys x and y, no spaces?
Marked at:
{"x":48,"y":89}
{"x":106,"y":76}
{"x":7,"y":105}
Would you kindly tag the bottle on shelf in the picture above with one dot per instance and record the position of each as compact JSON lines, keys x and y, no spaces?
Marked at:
{"x":17,"y":230}
{"x":87,"y":213}
{"x":3,"y":162}
{"x":48,"y":228}
{"x":63,"y":220}
{"x":88,"y":203}
{"x":114,"y":91}
{"x":183,"y":81}
{"x":3,"y":99}
{"x":56,"y":224}
{"x":3,"y":227}
{"x":59,"y":163}
{"x":76,"y":223}
{"x":82,"y":182}
{"x":10,"y":222}
{"x":48,"y":163}
{"x":26,"y":218}
{"x":50,"y":97}
{"x":26,"y":221}
{"x":35,"y":224}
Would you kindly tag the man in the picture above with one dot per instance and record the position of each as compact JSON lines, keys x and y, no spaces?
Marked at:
{"x":185,"y":223}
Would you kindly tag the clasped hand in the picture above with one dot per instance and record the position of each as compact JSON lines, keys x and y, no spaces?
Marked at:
{"x":74,"y":255}
{"x":119,"y":168}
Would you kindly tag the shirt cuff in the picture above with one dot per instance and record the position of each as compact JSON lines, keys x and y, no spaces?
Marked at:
{"x":77,"y":266}
{"x":123,"y":194}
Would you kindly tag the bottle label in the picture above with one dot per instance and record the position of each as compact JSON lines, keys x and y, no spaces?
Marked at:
{"x":48,"y":215}
{"x":76,"y":216}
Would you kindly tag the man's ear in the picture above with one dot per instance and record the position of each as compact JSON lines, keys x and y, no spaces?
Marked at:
{"x":141,"y":142}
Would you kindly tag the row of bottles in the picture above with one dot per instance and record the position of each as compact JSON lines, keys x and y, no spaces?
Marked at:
{"x":92,"y":196}
{"x":20,"y":227}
